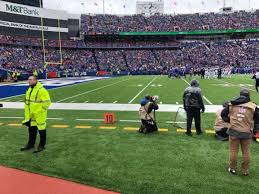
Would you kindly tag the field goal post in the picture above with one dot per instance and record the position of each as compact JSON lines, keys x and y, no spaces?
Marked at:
{"x":46,"y":63}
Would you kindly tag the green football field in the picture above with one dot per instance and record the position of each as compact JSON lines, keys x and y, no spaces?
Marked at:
{"x":113,"y":158}
{"x":130,"y":89}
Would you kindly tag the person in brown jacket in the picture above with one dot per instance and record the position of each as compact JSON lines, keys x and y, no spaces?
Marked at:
{"x":242,"y":114}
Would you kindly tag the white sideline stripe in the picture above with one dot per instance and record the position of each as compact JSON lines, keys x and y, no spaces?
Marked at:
{"x":50,"y":88}
{"x":91,"y":90}
{"x":143,"y":89}
{"x":130,"y":121}
{"x":23,"y":117}
{"x":172,"y":122}
{"x":55,"y":118}
{"x":202,"y":96}
{"x":11,"y":117}
{"x":107,"y":107}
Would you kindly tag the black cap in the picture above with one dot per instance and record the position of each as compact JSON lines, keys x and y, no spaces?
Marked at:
{"x":244,"y":92}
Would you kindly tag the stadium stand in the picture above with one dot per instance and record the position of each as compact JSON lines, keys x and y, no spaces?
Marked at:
{"x":110,"y":24}
{"x":142,"y":55}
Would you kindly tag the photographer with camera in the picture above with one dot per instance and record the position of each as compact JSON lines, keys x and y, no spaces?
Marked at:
{"x":147,"y":114}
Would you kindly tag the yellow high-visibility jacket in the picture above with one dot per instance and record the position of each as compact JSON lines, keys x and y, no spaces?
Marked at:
{"x":37,"y":102}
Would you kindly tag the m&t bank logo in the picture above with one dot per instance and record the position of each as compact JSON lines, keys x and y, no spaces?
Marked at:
{"x":21,"y":9}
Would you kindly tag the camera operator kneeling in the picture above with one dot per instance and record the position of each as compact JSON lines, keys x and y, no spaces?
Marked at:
{"x":147,"y":114}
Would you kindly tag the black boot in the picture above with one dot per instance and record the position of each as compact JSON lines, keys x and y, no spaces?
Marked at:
{"x":40,"y":149}
{"x":32,"y":138}
{"x":27,"y":147}
{"x":43,"y":136}
{"x":189,"y":133}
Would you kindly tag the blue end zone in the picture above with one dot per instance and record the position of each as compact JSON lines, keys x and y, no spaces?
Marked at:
{"x":11,"y":90}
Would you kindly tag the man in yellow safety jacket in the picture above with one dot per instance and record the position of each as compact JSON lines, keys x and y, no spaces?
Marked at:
{"x":37,"y":102}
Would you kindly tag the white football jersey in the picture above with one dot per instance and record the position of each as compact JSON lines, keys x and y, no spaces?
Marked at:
{"x":257,"y":75}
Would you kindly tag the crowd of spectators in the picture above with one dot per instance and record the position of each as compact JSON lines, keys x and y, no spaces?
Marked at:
{"x":16,"y":55}
{"x":27,"y":41}
{"x":26,"y":60}
{"x":112,"y":24}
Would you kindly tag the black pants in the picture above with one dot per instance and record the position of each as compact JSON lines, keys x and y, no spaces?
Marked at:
{"x":196,"y":114}
{"x":222,"y":134}
{"x":148,"y":126}
{"x":257,"y":84}
{"x":33,"y":135}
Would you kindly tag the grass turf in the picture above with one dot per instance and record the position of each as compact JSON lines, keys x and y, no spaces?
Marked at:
{"x":128,"y":162}
{"x":124,"y":89}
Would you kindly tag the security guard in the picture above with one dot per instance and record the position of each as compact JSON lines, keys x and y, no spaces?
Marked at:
{"x":193,"y":105}
{"x":243,"y":116}
{"x":37,"y":102}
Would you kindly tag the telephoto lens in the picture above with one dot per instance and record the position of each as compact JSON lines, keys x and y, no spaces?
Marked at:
{"x":1,"y":105}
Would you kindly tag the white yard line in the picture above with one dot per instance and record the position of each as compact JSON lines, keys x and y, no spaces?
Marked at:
{"x":86,"y":101}
{"x":87,"y":92}
{"x":202,"y":96}
{"x":101,"y":102}
{"x":72,"y":101}
{"x":115,"y":102}
{"x":143,"y":89}
{"x":186,"y":82}
{"x":207,"y":100}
